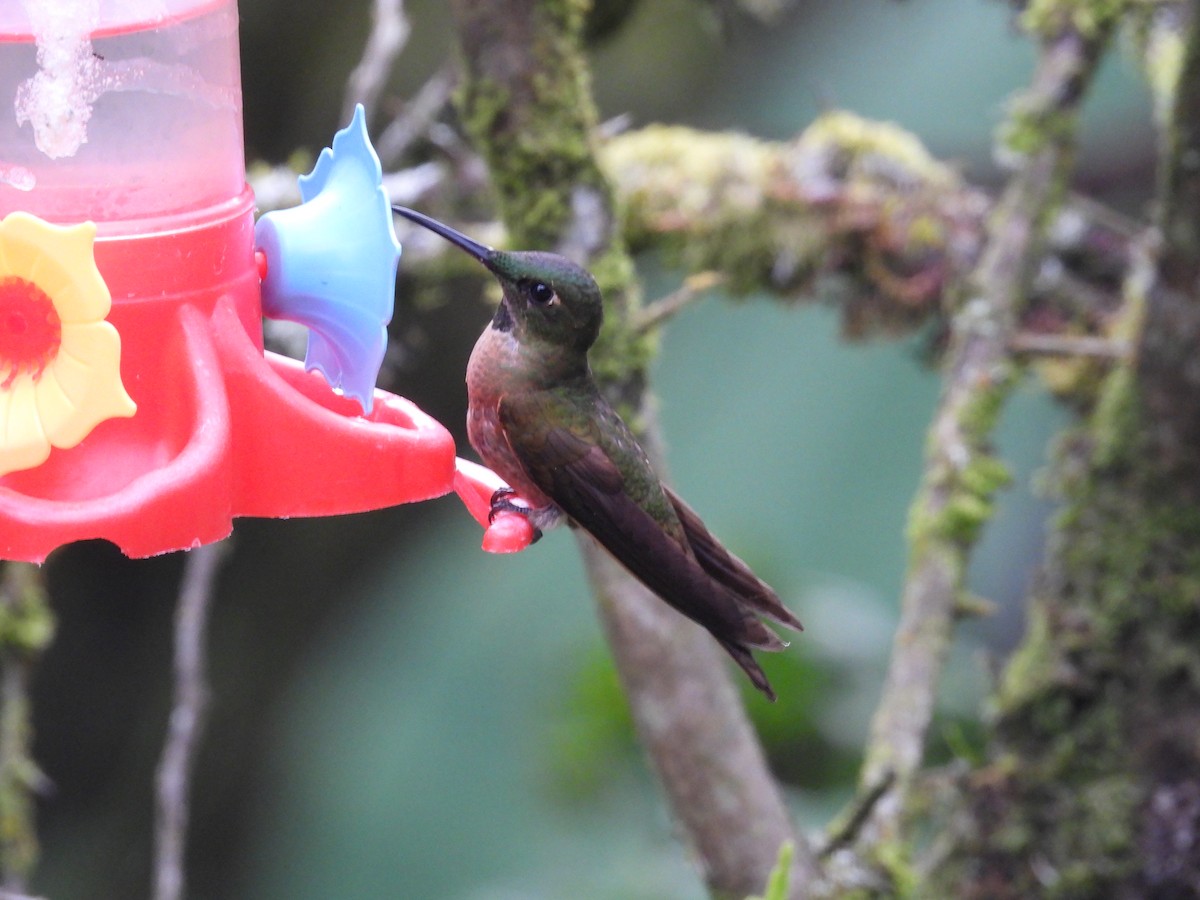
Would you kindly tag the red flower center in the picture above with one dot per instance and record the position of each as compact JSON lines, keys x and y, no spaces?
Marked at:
{"x":30,"y":329}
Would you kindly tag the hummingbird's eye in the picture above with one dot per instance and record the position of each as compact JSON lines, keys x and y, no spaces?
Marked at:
{"x":541,"y":293}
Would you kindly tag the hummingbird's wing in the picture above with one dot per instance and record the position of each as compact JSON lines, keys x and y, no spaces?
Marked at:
{"x":592,"y":467}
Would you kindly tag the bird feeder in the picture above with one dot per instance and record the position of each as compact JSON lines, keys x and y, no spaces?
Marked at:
{"x":137,"y":403}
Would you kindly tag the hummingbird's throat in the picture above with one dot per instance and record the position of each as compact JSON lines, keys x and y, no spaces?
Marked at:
{"x":503,"y":319}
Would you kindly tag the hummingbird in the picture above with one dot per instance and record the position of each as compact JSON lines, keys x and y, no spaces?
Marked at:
{"x":537,"y":417}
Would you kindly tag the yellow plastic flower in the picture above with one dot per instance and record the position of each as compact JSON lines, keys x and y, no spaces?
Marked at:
{"x":60,"y":372}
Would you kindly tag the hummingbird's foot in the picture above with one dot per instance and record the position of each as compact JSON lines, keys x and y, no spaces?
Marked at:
{"x":501,"y":504}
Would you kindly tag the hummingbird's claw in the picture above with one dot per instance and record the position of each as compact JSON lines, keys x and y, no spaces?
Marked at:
{"x":500,"y":496}
{"x":501,"y":504}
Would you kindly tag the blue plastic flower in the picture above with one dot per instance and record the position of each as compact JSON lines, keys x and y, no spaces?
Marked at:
{"x":331,"y":263}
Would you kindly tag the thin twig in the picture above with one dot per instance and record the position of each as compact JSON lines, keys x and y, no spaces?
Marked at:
{"x":844,"y":831}
{"x":416,"y":116}
{"x":389,"y":33}
{"x":1068,"y":345}
{"x":960,"y":475}
{"x":693,"y":288}
{"x":408,"y":186}
{"x":187,"y":719}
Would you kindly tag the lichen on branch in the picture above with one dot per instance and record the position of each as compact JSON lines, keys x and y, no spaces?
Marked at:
{"x":860,"y":198}
{"x":864,"y":203}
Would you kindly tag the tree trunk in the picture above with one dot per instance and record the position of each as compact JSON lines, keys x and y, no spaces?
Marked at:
{"x":1092,"y":785}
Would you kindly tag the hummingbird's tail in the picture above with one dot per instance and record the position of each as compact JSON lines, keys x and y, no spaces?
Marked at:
{"x":753,"y":597}
{"x":749,"y":665}
{"x":730,"y":571}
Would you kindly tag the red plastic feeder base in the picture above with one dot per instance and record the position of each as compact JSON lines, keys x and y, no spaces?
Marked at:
{"x":222,"y":429}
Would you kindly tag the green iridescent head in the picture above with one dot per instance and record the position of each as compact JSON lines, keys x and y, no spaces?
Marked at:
{"x":547,"y":298}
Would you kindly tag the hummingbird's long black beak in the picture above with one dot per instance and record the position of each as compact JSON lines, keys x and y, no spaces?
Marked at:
{"x":481,"y":252}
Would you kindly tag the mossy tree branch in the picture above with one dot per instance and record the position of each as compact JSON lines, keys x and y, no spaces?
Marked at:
{"x":526,"y":104}
{"x":1092,"y":783}
{"x":859,"y":198}
{"x":864,"y":203}
{"x":961,"y":474}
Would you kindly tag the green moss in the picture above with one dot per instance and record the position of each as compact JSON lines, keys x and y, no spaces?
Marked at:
{"x":566,"y":16}
{"x":715,"y":185}
{"x":536,"y":137}
{"x":1114,"y":424}
{"x":1087,"y":706}
{"x":26,"y":628}
{"x":777,"y":882}
{"x":615,"y":275}
{"x":895,"y":858}
{"x":963,"y":516}
{"x":982,"y":409}
{"x":1035,"y":122}
{"x":877,"y":149}
{"x":741,"y":247}
{"x":1032,"y":667}
{"x":26,"y":621}
{"x":985,"y":475}
{"x":967,"y":507}
{"x":538,"y":147}
{"x":970,"y":503}
{"x":927,"y":231}
{"x":1027,"y":129}
{"x":1162,"y":62}
{"x":1065,"y":800}
{"x":1089,"y":17}
{"x":861,"y":198}
{"x":1099,"y":836}
{"x":622,"y":353}
{"x":1125,"y":520}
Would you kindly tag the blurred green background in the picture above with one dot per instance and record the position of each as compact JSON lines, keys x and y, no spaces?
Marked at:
{"x":397,"y":714}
